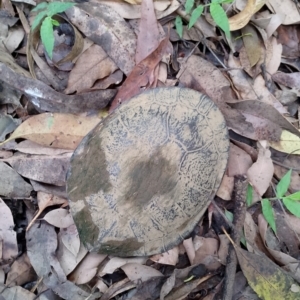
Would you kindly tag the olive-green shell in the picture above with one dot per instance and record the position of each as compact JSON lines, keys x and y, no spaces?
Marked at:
{"x":141,"y":180}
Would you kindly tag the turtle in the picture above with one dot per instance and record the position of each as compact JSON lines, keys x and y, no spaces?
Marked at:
{"x":141,"y":180}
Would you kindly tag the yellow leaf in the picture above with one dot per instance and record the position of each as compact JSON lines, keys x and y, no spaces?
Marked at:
{"x":289,"y":143}
{"x":267,"y":279}
{"x":55,"y":130}
{"x":241,"y":19}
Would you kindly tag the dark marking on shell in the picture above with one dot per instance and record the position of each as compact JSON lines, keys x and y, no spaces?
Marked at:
{"x":87,"y":230}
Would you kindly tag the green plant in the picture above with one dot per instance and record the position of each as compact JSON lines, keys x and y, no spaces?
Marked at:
{"x":44,"y":17}
{"x":291,"y":202}
{"x":216,"y":10}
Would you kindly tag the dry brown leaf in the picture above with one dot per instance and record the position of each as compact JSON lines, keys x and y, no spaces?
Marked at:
{"x":41,"y":248}
{"x":17,"y":292}
{"x":107,"y":28}
{"x":117,"y":262}
{"x":127,"y":11}
{"x":226,"y":188}
{"x":190,"y":249}
{"x":261,"y":172}
{"x":206,"y":252}
{"x":8,"y":237}
{"x":66,"y":255}
{"x":239,"y":161}
{"x":30,"y":147}
{"x":44,"y":98}
{"x":59,"y":217}
{"x":266,"y":120}
{"x":167,"y":258}
{"x":253,"y":238}
{"x":87,"y":269}
{"x":286,"y":8}
{"x":265,"y":277}
{"x":46,"y":129}
{"x":223,"y":249}
{"x":12,"y":184}
{"x":70,"y":239}
{"x":21,"y":272}
{"x":291,"y":80}
{"x":252,"y":44}
{"x":241,"y":19}
{"x":93,"y":64}
{"x":147,"y":40}
{"x":142,"y":76}
{"x":137,"y":272}
{"x":47,"y":169}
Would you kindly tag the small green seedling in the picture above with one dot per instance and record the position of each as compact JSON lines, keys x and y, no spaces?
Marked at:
{"x":44,"y":17}
{"x":216,"y":10}
{"x":291,"y":202}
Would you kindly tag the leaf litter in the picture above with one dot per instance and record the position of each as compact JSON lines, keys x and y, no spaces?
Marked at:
{"x":104,"y":54}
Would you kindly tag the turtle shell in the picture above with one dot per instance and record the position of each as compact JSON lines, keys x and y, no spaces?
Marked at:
{"x":140,"y":181}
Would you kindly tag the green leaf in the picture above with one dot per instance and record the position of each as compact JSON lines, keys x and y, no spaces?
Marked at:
{"x":38,"y":19}
{"x":229,"y":215}
{"x":58,"y":7}
{"x":295,"y":196}
{"x":283,"y":184}
{"x":188,"y":6}
{"x":55,"y":23}
{"x":249,"y":195}
{"x":40,"y":6}
{"x":47,"y":36}
{"x":292,"y":205}
{"x":179,"y":25}
{"x":220,"y":17}
{"x":195,"y":15}
{"x":268,"y":213}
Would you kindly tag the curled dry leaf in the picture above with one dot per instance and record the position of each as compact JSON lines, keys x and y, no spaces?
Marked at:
{"x":105,"y":27}
{"x":46,"y":129}
{"x":241,"y":19}
{"x":261,"y":172}
{"x":59,"y":217}
{"x":8,"y":236}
